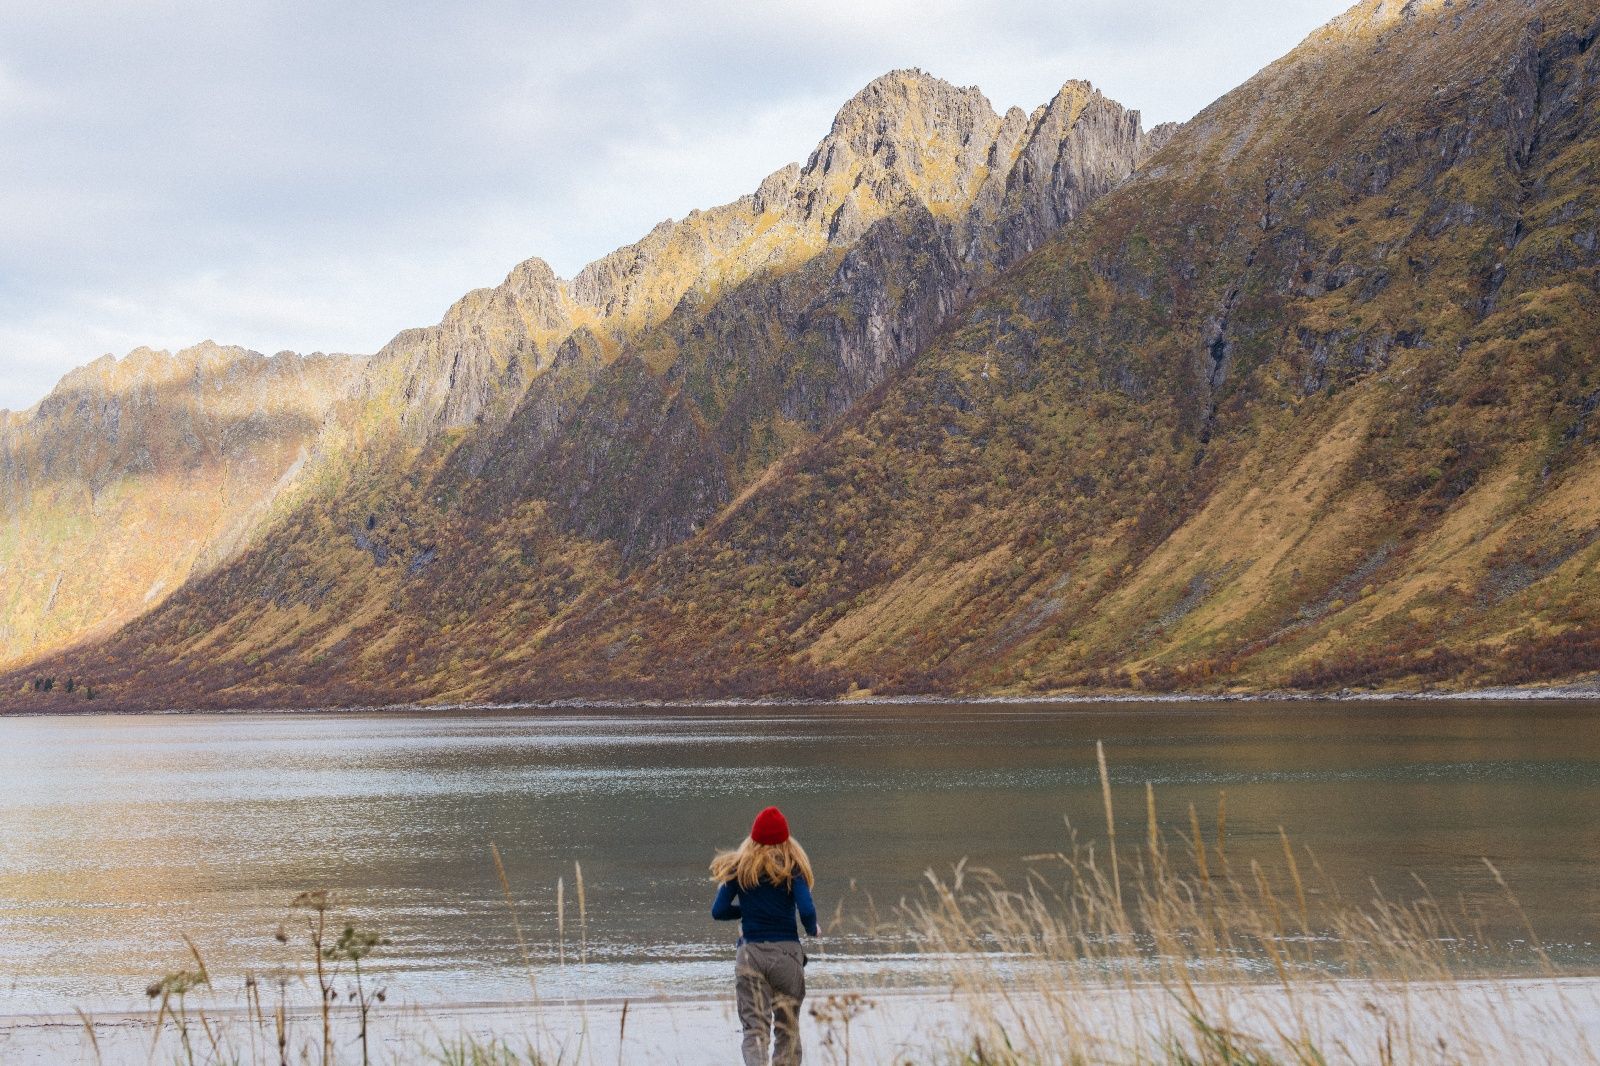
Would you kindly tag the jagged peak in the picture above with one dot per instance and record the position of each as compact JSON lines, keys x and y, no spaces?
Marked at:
{"x":532,"y":286}
{"x":776,"y":187}
{"x":530,"y":272}
{"x":1156,"y":137}
{"x":1074,"y":89}
{"x":906,"y":138}
{"x":909,"y":102}
{"x":1076,"y":97}
{"x":905,"y":83}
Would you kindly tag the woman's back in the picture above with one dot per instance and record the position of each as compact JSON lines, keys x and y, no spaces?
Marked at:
{"x":767,"y":911}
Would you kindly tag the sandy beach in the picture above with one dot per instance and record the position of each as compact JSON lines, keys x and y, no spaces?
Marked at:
{"x":1532,"y":1020}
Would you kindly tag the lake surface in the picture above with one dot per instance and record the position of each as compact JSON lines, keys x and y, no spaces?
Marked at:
{"x":121,"y":835}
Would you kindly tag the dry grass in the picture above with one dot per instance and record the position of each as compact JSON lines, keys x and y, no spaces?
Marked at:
{"x":1173,"y":955}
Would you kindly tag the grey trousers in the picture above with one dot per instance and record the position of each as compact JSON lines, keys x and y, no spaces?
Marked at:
{"x":771,"y":982}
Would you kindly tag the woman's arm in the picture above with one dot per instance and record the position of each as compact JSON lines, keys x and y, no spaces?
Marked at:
{"x":724,"y":909}
{"x":804,"y":904}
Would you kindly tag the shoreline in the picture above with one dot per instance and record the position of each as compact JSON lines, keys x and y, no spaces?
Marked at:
{"x":1570,"y":692}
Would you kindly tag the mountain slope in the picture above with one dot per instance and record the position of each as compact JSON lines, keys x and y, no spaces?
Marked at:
{"x":1308,"y":400}
{"x":851,"y":261}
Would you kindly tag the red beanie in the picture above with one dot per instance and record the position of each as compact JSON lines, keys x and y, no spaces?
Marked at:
{"x":770,"y":827}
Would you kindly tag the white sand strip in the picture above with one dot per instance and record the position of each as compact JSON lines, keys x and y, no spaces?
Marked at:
{"x":1501,"y":1022}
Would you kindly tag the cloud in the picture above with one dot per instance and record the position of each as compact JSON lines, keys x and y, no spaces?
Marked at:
{"x":294,"y":174}
{"x":19,"y":97}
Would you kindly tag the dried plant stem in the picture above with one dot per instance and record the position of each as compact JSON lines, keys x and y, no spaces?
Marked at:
{"x":583,"y":914}
{"x":1222,"y":825}
{"x":1199,"y":846}
{"x":1111,"y":822}
{"x":516,"y":924}
{"x":1533,"y":937}
{"x":1299,"y":886}
{"x":1153,"y":838}
{"x":88,"y":1029}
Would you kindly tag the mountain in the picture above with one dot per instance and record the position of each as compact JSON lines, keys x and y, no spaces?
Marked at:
{"x":135,"y":474}
{"x":1300,"y":394}
{"x":919,"y":193}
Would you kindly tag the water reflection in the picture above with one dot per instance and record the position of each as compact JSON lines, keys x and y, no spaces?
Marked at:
{"x":119,"y":834}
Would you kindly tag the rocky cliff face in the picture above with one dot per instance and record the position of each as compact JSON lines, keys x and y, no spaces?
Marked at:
{"x":770,"y":317}
{"x":1302,"y":393}
{"x":476,"y":361}
{"x":907,"y":145}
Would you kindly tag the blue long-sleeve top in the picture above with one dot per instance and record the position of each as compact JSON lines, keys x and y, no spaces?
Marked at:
{"x":766,"y":912}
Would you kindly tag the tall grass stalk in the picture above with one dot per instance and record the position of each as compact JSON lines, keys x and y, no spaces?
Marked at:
{"x":561,"y":920}
{"x":1111,"y":822}
{"x":516,"y":923}
{"x":89,"y":1033}
{"x":583,"y":914}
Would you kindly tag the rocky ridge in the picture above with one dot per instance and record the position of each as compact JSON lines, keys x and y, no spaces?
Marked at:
{"x":907,"y":144}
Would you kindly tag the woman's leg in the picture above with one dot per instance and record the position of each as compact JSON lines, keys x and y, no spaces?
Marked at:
{"x":787,"y":974}
{"x":755,"y":1006}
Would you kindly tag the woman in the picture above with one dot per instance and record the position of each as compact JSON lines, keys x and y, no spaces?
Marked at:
{"x":764,"y":883}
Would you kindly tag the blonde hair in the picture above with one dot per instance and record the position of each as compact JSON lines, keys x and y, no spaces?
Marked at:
{"x":751,"y":863}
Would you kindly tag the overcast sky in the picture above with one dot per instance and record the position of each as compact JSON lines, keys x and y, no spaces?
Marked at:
{"x":312,"y":175}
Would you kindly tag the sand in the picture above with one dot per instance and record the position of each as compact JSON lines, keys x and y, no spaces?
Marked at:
{"x":1503,"y":1022}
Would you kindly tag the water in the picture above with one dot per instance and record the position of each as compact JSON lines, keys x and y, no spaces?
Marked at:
{"x":121,"y":835}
